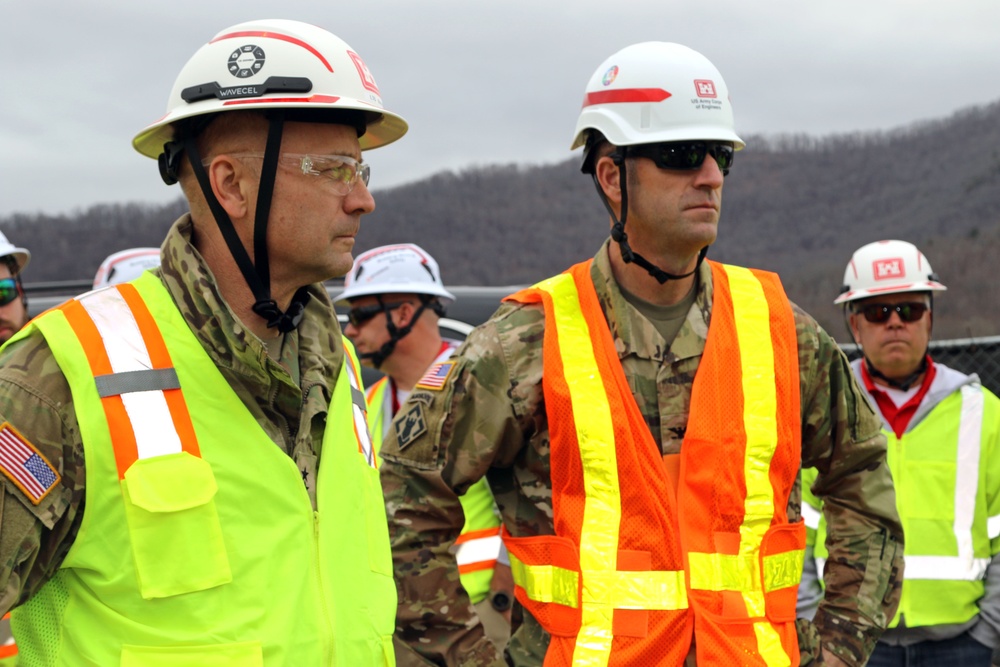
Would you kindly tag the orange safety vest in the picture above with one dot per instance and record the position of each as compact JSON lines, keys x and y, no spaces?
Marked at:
{"x":635,"y":572}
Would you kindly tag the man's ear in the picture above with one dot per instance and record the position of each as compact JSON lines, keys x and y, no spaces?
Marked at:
{"x":852,"y":322}
{"x":232,"y":184}
{"x":609,"y":176}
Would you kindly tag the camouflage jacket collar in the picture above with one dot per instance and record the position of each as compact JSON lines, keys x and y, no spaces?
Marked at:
{"x":633,"y":333}
{"x":310,"y":355}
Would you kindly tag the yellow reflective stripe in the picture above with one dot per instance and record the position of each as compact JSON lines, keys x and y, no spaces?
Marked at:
{"x":760,"y":408}
{"x":769,"y":645}
{"x":651,"y":589}
{"x":596,"y":438}
{"x":721,"y":572}
{"x":546,"y":583}
{"x":783,"y":570}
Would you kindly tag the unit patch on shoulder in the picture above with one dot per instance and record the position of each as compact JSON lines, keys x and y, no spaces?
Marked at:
{"x":410,"y":426}
{"x":436,"y":376}
{"x":25,"y":466}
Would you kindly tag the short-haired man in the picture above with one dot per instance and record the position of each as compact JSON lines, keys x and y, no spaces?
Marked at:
{"x":642,"y":419}
{"x":943,"y":429}
{"x":209,"y":412}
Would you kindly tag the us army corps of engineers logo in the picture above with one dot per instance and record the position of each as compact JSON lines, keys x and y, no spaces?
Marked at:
{"x":246,"y":61}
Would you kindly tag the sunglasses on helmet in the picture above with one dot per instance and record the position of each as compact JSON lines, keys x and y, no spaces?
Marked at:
{"x":686,"y":155}
{"x":879,"y":313}
{"x":9,"y":290}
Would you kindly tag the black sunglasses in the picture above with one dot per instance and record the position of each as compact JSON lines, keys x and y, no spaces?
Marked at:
{"x":686,"y":155}
{"x":908,"y":311}
{"x":361,"y":314}
{"x":9,"y":290}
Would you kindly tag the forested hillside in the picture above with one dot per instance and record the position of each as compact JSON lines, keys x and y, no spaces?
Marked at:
{"x":796,"y":205}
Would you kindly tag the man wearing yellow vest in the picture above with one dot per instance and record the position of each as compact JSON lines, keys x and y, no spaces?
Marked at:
{"x":396,"y":298}
{"x":642,"y":419}
{"x":188,"y":477}
{"x":943,"y":429}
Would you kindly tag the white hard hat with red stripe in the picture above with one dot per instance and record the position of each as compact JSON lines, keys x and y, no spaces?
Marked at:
{"x":126,"y":265}
{"x":887,"y":267}
{"x":402,"y":268}
{"x":269,"y":64}
{"x":656,"y":91}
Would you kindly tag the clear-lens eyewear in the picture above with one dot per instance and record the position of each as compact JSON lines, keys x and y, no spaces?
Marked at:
{"x":341,"y":170}
{"x":9,"y":290}
{"x":687,"y":155}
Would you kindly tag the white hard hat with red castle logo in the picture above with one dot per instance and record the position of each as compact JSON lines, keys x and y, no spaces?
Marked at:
{"x":887,"y":267}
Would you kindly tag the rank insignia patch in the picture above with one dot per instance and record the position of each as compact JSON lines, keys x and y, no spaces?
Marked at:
{"x":410,"y":426}
{"x":25,"y":466}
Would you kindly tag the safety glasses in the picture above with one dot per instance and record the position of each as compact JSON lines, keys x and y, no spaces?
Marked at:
{"x":361,"y":314}
{"x":9,"y":290}
{"x":686,"y":155}
{"x":879,"y":313}
{"x":342,"y":171}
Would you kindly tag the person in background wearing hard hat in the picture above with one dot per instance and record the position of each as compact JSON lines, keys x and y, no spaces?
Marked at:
{"x":396,"y":298}
{"x":126,"y":265}
{"x":210,"y":411}
{"x":943,"y":429}
{"x":13,"y":301}
{"x":13,"y":316}
{"x":642,"y":419}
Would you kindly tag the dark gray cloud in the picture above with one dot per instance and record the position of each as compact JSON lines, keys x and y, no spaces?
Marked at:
{"x":479,"y":82}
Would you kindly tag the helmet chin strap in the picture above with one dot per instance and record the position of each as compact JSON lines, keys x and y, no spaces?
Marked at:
{"x":619,"y":236}
{"x":396,"y":334}
{"x":903,"y":384}
{"x":258,"y":278}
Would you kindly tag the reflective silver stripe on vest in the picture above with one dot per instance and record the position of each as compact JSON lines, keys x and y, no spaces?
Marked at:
{"x":152,"y":424}
{"x":965,"y":566}
{"x":810,"y":515}
{"x":479,"y":550}
{"x":359,"y":409}
{"x":129,"y":382}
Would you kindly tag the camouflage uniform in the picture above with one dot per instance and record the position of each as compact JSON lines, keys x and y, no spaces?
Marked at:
{"x":288,"y":399}
{"x":489,"y":419}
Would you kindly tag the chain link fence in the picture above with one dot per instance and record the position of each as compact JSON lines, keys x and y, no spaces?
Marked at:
{"x":969,"y":355}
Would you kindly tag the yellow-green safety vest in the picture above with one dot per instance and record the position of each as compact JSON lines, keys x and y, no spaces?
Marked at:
{"x":951,"y":518}
{"x":203,"y":548}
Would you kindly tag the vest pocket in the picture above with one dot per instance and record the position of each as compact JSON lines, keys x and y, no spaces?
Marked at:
{"x":782,"y":554}
{"x":243,"y":654}
{"x":174,"y":528}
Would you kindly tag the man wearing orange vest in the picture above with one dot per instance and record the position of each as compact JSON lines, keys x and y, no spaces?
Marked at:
{"x":187,"y":473}
{"x":642,"y":420}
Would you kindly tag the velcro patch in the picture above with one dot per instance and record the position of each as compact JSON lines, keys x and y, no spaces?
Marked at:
{"x":410,"y":426}
{"x":436,"y":376}
{"x":25,"y":466}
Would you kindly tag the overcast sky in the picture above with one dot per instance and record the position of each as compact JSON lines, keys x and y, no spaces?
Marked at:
{"x":480,"y":82}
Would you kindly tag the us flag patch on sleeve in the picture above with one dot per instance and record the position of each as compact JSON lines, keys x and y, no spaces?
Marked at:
{"x":25,"y":466}
{"x":436,"y":376}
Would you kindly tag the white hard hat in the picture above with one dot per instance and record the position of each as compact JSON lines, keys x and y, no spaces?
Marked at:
{"x":126,"y":265}
{"x":21,"y":255}
{"x":887,"y":267}
{"x":270,"y":64}
{"x":656,"y":91}
{"x":403,"y":268}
